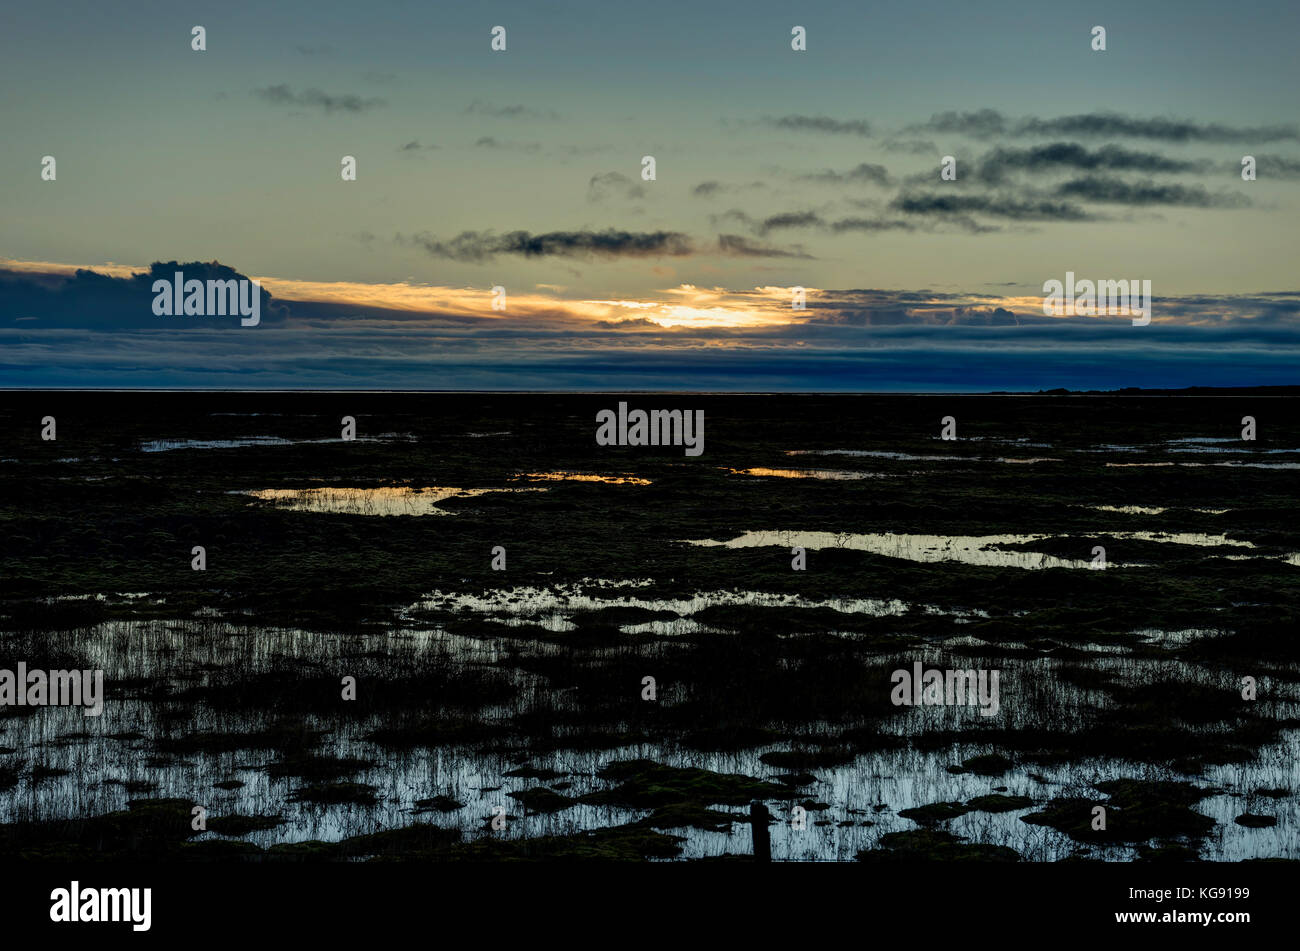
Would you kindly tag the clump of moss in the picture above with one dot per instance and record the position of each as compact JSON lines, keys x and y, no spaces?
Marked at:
{"x":998,"y":803}
{"x":1137,"y":810}
{"x":418,"y":840}
{"x":935,"y":812}
{"x":647,"y":784}
{"x":685,"y":814}
{"x":541,"y":799}
{"x":1252,"y":821}
{"x":934,"y":845}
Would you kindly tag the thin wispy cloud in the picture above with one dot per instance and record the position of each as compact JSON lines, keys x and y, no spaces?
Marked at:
{"x":998,"y":206}
{"x":735,"y":245}
{"x":615,"y":185}
{"x":480,"y":108}
{"x":864,"y":173}
{"x":995,"y":165}
{"x":823,"y":124}
{"x":988,"y":123}
{"x":492,"y":142}
{"x":482,"y":246}
{"x":1109,"y":190}
{"x":283,"y":95}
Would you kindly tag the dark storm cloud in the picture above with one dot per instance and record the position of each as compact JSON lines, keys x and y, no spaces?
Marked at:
{"x":88,"y":299}
{"x":820,"y":124}
{"x":478,"y":246}
{"x":283,"y":95}
{"x":986,"y":123}
{"x":1108,"y":190}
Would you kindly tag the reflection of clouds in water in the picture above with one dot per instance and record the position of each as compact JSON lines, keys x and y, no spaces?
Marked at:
{"x":846,"y":474}
{"x":981,"y":550}
{"x":106,"y":748}
{"x":168,"y":445}
{"x":565,"y":475}
{"x":388,"y":500}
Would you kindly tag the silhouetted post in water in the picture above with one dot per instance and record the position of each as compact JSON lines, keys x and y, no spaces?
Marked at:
{"x":758,"y":820}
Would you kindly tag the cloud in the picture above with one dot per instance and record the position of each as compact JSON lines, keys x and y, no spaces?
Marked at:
{"x":910,"y":146}
{"x":872,"y":224}
{"x":739,"y":246}
{"x":414,"y":147}
{"x":608,"y":184}
{"x":481,"y":108}
{"x":711,"y":188}
{"x":1110,"y":190}
{"x":998,"y":206}
{"x":986,"y":123}
{"x":480,"y":246}
{"x":490,"y":142}
{"x":88,"y":331}
{"x":777,"y":222}
{"x":993,"y":166}
{"x":791,"y":219}
{"x":820,"y":124}
{"x":812,"y":219}
{"x":1270,"y":166}
{"x":283,"y":95}
{"x":864,"y":173}
{"x":121,"y":298}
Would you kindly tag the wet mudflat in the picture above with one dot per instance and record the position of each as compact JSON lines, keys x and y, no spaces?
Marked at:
{"x":504,"y":713}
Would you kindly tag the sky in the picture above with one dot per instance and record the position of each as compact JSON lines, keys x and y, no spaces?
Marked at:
{"x":773,"y":169}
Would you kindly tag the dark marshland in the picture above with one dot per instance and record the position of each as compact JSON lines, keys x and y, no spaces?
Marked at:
{"x":505,"y":714}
